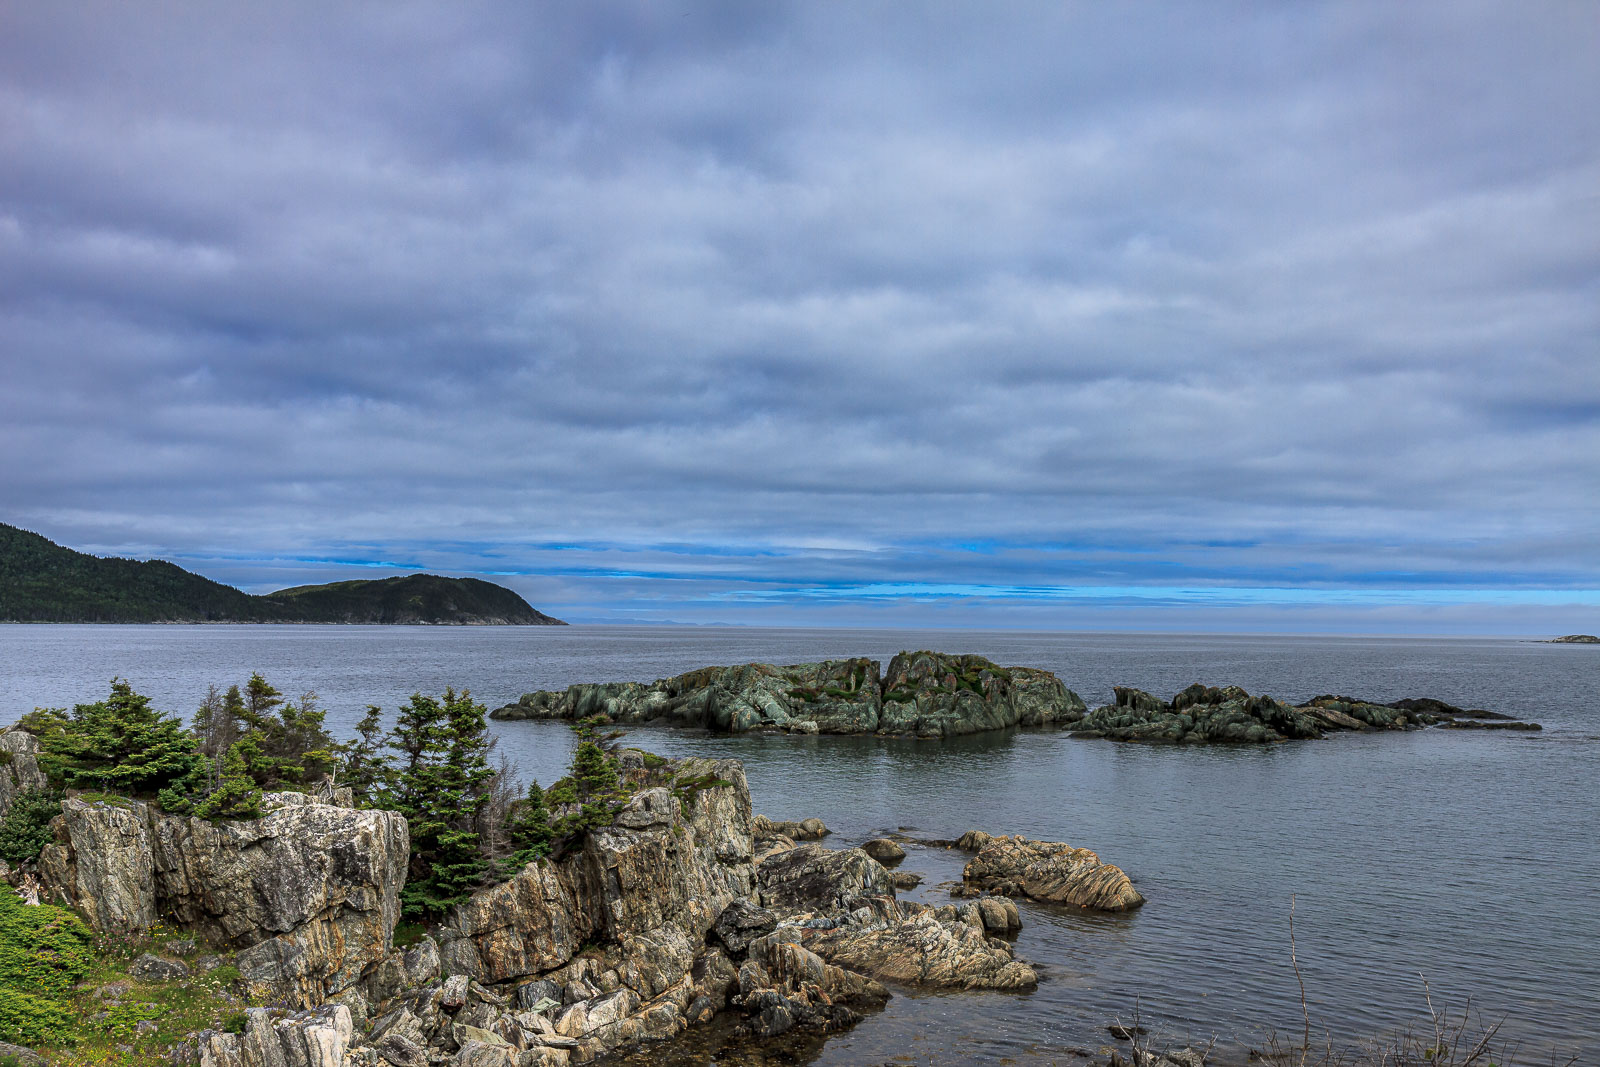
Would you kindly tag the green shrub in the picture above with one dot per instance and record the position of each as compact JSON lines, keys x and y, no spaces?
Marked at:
{"x":26,"y":828}
{"x":44,"y":950}
{"x":236,"y":1023}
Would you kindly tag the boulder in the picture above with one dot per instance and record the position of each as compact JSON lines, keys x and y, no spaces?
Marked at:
{"x":924,"y":950}
{"x":152,"y":968}
{"x":1200,"y":714}
{"x":784,"y":985}
{"x":1051,"y":872}
{"x":883,"y":850}
{"x":932,"y":694}
{"x":811,"y":829}
{"x":309,"y":893}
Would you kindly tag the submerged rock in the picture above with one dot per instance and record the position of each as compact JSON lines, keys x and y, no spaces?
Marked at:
{"x":925,"y":694}
{"x":1050,"y":872}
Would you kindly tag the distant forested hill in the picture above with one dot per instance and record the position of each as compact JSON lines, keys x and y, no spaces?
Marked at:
{"x":41,"y":581}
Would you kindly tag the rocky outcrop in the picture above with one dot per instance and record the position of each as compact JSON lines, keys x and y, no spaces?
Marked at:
{"x":19,"y":766}
{"x":1199,"y":714}
{"x":923,"y":948}
{"x":318,"y":1038}
{"x":811,"y":829}
{"x":1576,"y":639}
{"x":925,"y":694}
{"x":309,"y":892}
{"x":1047,"y":871}
{"x":931,"y":694}
{"x":1229,"y":715}
{"x":653,"y":883}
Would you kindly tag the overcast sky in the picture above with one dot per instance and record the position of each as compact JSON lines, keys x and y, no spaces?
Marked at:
{"x":1064,"y":315}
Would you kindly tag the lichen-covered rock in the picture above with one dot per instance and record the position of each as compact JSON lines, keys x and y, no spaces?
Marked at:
{"x":152,"y":968}
{"x":19,"y":766}
{"x":309,"y":892}
{"x":834,"y":696}
{"x":932,"y":694}
{"x":1051,"y":872}
{"x":1203,"y":714}
{"x":927,"y":694}
{"x":813,"y":879}
{"x":784,"y":984}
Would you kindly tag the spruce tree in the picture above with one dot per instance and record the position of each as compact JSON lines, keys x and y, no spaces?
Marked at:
{"x":529,"y":828}
{"x":439,"y":782}
{"x":364,"y":765}
{"x":119,"y":744}
{"x":237,"y":796}
{"x":593,"y":786}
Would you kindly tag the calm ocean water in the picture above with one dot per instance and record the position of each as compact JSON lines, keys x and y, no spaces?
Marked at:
{"x":1468,"y":860}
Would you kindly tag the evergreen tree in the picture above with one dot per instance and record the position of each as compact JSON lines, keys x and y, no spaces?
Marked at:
{"x":439,"y":782}
{"x":529,"y":828}
{"x":260,"y":698}
{"x":237,"y":796}
{"x":119,"y":744}
{"x":216,"y":722}
{"x":364,"y":765}
{"x":593,"y":788}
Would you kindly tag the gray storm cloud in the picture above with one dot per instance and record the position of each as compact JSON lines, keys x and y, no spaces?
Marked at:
{"x":732,"y":311}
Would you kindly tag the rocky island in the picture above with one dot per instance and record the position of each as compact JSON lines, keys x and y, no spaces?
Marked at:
{"x":935,"y":694}
{"x":1576,"y":639}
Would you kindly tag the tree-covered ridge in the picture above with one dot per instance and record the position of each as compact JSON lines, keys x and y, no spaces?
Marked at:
{"x":41,"y":581}
{"x":414,"y":598}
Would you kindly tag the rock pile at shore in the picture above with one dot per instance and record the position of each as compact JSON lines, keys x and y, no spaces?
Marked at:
{"x":687,"y":906}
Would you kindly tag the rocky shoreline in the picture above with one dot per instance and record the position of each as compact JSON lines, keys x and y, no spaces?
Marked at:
{"x":934,"y":695}
{"x":688,"y":908}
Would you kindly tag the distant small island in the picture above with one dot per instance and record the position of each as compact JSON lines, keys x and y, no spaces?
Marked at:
{"x":1575,"y":639}
{"x":41,"y":581}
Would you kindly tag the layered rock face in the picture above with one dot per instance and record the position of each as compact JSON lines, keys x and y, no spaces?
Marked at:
{"x":1203,"y":714}
{"x":1047,"y":871}
{"x":925,"y":694}
{"x":309,"y":892}
{"x":653,"y":883}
